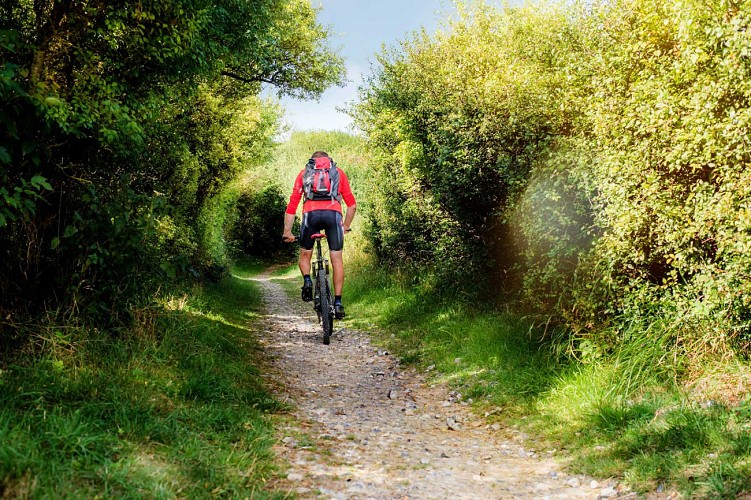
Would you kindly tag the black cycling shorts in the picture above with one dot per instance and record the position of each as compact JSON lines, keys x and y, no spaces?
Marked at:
{"x":329,"y":221}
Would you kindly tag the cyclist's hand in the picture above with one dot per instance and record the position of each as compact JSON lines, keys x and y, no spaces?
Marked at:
{"x":347,"y":229}
{"x":288,"y":237}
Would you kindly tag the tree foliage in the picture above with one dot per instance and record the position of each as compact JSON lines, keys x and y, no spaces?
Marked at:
{"x":458,"y":122}
{"x":255,"y":231}
{"x":595,"y":154}
{"x":120,"y":122}
{"x":671,"y":116}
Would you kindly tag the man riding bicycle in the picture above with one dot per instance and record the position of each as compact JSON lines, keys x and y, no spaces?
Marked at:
{"x":324,"y":186}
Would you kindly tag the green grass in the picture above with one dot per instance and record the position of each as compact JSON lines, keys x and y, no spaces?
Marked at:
{"x":622,"y":416}
{"x":487,"y":355}
{"x":174,"y":407}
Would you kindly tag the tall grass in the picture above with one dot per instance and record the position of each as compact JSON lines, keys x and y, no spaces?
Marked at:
{"x":172,"y":408}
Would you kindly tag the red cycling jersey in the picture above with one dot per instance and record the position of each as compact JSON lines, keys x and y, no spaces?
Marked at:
{"x":310,"y":205}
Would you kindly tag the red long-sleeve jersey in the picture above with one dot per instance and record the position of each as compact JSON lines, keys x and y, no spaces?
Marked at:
{"x":310,"y":205}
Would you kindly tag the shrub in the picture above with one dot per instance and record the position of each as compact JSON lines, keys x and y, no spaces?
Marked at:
{"x":257,"y":230}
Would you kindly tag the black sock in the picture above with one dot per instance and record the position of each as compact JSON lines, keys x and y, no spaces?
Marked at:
{"x":337,"y":298}
{"x":306,"y":277}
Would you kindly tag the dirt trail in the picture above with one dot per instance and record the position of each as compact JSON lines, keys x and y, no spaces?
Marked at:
{"x":366,"y":427}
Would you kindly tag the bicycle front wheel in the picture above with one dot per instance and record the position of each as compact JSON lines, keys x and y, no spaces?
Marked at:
{"x":327,"y":316}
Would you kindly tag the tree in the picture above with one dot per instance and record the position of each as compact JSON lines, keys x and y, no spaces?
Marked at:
{"x":107,"y":105}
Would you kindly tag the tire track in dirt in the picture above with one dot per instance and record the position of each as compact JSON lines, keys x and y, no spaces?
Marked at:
{"x":365,"y":427}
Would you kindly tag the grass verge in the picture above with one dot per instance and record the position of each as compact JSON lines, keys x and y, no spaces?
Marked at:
{"x":174,"y":407}
{"x":622,"y":416}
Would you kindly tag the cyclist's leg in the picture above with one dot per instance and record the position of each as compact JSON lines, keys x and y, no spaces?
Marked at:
{"x":335,"y":236}
{"x":304,"y":262}
{"x":307,"y":229}
{"x":337,"y":263}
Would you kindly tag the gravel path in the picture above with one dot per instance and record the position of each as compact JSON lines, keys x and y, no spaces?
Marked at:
{"x":365,"y":427}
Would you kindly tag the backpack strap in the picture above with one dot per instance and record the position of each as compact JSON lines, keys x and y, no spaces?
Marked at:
{"x":334,"y":179}
{"x":307,"y":179}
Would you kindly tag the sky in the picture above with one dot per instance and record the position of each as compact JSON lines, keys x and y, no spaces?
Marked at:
{"x":359,"y":28}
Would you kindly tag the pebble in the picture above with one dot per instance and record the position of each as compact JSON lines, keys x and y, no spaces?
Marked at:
{"x":452,"y":424}
{"x":574,"y":482}
{"x":294,"y":476}
{"x":608,"y":492}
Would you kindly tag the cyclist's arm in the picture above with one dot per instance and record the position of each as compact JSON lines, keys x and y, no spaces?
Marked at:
{"x":289,"y":220}
{"x":349,"y":199}
{"x":350,"y":215}
{"x":294,"y":201}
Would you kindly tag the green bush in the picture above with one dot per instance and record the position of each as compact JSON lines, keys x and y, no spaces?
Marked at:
{"x":457,"y":122}
{"x":257,"y":230}
{"x":671,"y":128}
{"x":591,"y":158}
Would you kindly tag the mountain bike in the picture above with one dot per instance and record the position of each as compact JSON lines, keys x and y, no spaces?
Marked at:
{"x":323,"y":299}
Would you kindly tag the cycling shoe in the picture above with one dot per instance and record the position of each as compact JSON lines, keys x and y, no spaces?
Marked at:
{"x":307,"y":291}
{"x":338,"y":310}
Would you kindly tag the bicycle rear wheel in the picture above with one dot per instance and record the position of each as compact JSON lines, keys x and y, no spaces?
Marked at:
{"x":326,"y":314}
{"x":317,"y":298}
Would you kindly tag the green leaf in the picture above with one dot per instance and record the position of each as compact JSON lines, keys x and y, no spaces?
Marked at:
{"x":55,"y":243}
{"x":38,"y":181}
{"x":168,"y":269}
{"x":4,"y":155}
{"x":53,"y":101}
{"x":69,"y":231}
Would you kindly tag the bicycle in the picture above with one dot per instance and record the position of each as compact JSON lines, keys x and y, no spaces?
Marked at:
{"x":323,"y":299}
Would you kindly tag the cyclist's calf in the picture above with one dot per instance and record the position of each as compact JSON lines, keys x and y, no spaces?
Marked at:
{"x":337,"y":264}
{"x":304,"y":263}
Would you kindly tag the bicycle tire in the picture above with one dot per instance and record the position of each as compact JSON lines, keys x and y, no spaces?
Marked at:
{"x":317,"y":297}
{"x":327,"y":322}
{"x":331,"y":308}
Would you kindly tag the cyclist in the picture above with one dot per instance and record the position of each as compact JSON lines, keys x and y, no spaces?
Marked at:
{"x":321,"y":214}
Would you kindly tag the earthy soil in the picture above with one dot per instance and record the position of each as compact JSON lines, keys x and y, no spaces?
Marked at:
{"x":363,"y":426}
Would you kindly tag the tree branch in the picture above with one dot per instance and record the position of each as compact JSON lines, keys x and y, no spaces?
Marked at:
{"x":244,"y":79}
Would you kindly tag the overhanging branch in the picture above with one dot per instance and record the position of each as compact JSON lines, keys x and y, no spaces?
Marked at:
{"x":244,"y":79}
